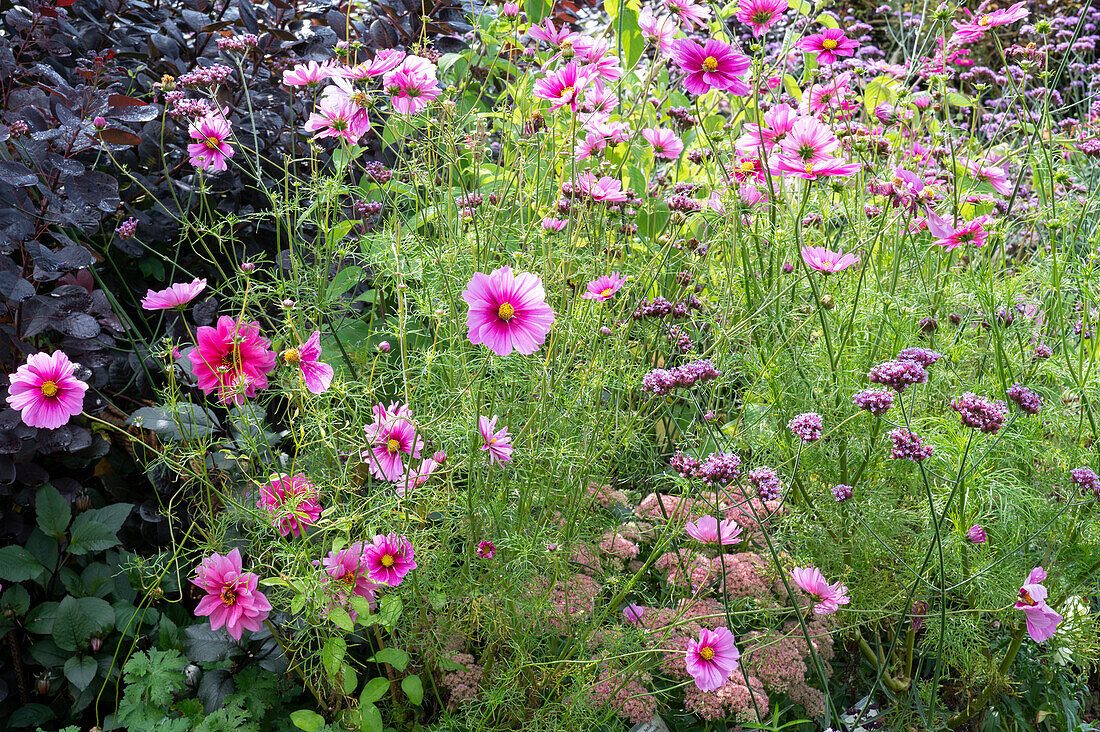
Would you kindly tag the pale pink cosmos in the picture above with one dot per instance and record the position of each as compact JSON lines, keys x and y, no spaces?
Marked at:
{"x":418,"y":477}
{"x":708,"y":530}
{"x":548,"y":33}
{"x":317,"y":376}
{"x":291,"y":503}
{"x":232,"y":596}
{"x":232,"y":359}
{"x":309,"y":73}
{"x":604,"y":287}
{"x":760,"y":14}
{"x":825,"y":260}
{"x":758,"y":140}
{"x":808,"y":142}
{"x":977,"y":26}
{"x":599,"y":98}
{"x":607,"y":189}
{"x":829,"y":45}
{"x":659,"y":30}
{"x":711,"y":658}
{"x":828,"y":96}
{"x":564,"y":85}
{"x":175,"y":296}
{"x":496,"y":442}
{"x":690,"y":13}
{"x":211,"y":149}
{"x":948,"y":236}
{"x":389,"y":559}
{"x":828,"y":167}
{"x":510,"y":10}
{"x":347,"y":574}
{"x":386,"y":59}
{"x":592,"y":144}
{"x":664,"y":141}
{"x":391,"y":437}
{"x":994,"y":176}
{"x":46,"y":391}
{"x":810,"y":580}
{"x":713,"y":65}
{"x":1042,"y":620}
{"x":552,"y":224}
{"x":412,"y":85}
{"x":507,"y":312}
{"x":594,"y":53}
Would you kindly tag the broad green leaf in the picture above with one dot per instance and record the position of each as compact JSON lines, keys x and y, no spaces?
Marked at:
{"x":879,"y":90}
{"x":71,"y":627}
{"x":53,"y":511}
{"x":372,"y":719}
{"x":348,"y":678}
{"x":112,"y":516}
{"x":413,"y":689}
{"x":344,"y":280}
{"x":340,"y":616}
{"x":307,"y":720}
{"x":81,"y":671}
{"x":537,"y":9}
{"x":17,"y":564}
{"x":393,"y":656}
{"x":791,"y":85}
{"x":361,"y":606}
{"x":959,"y":100}
{"x":375,"y":689}
{"x":332,"y":654}
{"x":803,"y":7}
{"x":91,"y":537}
{"x":828,"y":21}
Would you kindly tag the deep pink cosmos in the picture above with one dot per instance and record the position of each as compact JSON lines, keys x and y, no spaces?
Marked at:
{"x":970,"y":232}
{"x":175,"y":296}
{"x":391,"y":437}
{"x":604,"y":287}
{"x":605,"y":189}
{"x":211,"y":149}
{"x":496,"y":442}
{"x":1042,"y":619}
{"x":232,"y":359}
{"x":760,"y":14}
{"x":829,"y":45}
{"x":507,"y":312}
{"x":232,"y":598}
{"x":708,"y":530}
{"x":316,"y":376}
{"x":713,"y":65}
{"x":291,"y":503}
{"x":711,"y":658}
{"x":564,"y":85}
{"x":810,"y":580}
{"x":347,"y":575}
{"x":389,"y":559}
{"x":46,"y":391}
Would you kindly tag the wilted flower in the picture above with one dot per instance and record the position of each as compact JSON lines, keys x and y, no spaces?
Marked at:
{"x":1042,"y":620}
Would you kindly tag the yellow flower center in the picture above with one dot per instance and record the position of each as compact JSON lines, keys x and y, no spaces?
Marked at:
{"x":809,"y":168}
{"x":829,"y":44}
{"x":49,"y":388}
{"x":568,"y":91}
{"x":213,"y":143}
{"x":229,"y":596}
{"x":387,"y":560}
{"x":360,"y":99}
{"x":706,"y":653}
{"x":984,"y":21}
{"x":292,"y":356}
{"x":747,"y":166}
{"x":393,"y":445}
{"x":606,"y":292}
{"x":710,"y":63}
{"x":349,"y":579}
{"x":826,"y":264}
{"x":506,"y":311}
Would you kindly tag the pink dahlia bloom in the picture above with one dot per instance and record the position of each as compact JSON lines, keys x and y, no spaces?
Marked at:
{"x":664,"y":141}
{"x":978,"y":25}
{"x":827,"y":261}
{"x":810,"y":580}
{"x":232,"y":598}
{"x":709,"y":531}
{"x":507,"y":312}
{"x":829,"y":45}
{"x":338,"y":117}
{"x":760,"y":14}
{"x":712,"y":658}
{"x":292,"y":503}
{"x":232,"y":359}
{"x":714,"y":65}
{"x":211,"y":149}
{"x":310,"y":73}
{"x":970,"y":232}
{"x":604,"y":288}
{"x":175,"y":296}
{"x":389,"y":559}
{"x":1042,"y":619}
{"x":347,"y":573}
{"x":392,"y":436}
{"x":46,"y":391}
{"x":564,"y":86}
{"x":496,"y":442}
{"x":317,"y":376}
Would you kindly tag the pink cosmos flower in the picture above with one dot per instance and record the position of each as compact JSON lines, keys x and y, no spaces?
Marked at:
{"x":232,"y":598}
{"x":310,"y":73}
{"x":633,"y":614}
{"x":418,"y":477}
{"x":660,"y":30}
{"x":994,"y":176}
{"x":510,"y":10}
{"x":486,"y":549}
{"x":829,"y":45}
{"x":348,"y":575}
{"x":758,"y":140}
{"x":810,"y":580}
{"x":830,"y":95}
{"x":760,"y":14}
{"x":392,"y":435}
{"x":1042,"y":619}
{"x":386,"y":59}
{"x":496,"y":442}
{"x":977,"y":26}
{"x":232,"y":359}
{"x":711,"y":66}
{"x":316,"y":375}
{"x":599,"y":98}
{"x":507,"y":312}
{"x":292,"y":503}
{"x":552,"y":224}
{"x":971,"y":232}
{"x":604,"y":288}
{"x":812,"y":171}
{"x":593,"y":54}
{"x":690,"y":13}
{"x":563,"y":86}
{"x":808,"y":142}
{"x":46,"y":391}
{"x":175,"y":296}
{"x":550,"y":34}
{"x":708,"y":530}
{"x":412,"y":85}
{"x":824,"y":260}
{"x":337,"y":117}
{"x":211,"y":150}
{"x":389,"y":559}
{"x":664,"y":141}
{"x":712,"y":658}
{"x":606,"y":189}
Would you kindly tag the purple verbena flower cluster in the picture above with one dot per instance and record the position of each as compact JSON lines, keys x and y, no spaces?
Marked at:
{"x":206,"y":76}
{"x":806,"y":427}
{"x":659,"y":307}
{"x":842,"y":492}
{"x":908,"y":446}
{"x":662,"y":381}
{"x":1025,"y":398}
{"x":898,"y":374}
{"x":875,"y":401}
{"x":980,"y":413}
{"x":719,"y":468}
{"x":767,"y":483}
{"x":1086,"y":479}
{"x":924,"y":356}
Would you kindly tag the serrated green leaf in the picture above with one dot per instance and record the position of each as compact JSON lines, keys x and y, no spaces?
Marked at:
{"x":71,"y":627}
{"x":413,"y":689}
{"x":393,"y":656}
{"x":52,"y":511}
{"x":18,"y":565}
{"x":81,"y":671}
{"x":375,"y":689}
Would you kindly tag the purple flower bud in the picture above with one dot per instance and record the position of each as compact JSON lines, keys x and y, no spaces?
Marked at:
{"x":975,"y":534}
{"x":99,"y":123}
{"x":384,"y":346}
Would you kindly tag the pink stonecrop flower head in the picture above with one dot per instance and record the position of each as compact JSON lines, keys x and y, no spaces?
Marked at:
{"x":496,"y":442}
{"x":291,"y":503}
{"x":564,"y":85}
{"x":232,"y":597}
{"x":232,"y":359}
{"x":760,"y":14}
{"x":604,"y":287}
{"x":347,"y":574}
{"x":508,"y":312}
{"x":713,"y":65}
{"x":709,"y":531}
{"x":711,"y":658}
{"x":315,"y":375}
{"x":210,"y":151}
{"x":175,"y":296}
{"x":46,"y":391}
{"x":810,"y":580}
{"x":664,"y":141}
{"x":391,"y":438}
{"x":825,"y":260}
{"x":829,"y":45}
{"x":389,"y":559}
{"x":1042,"y":620}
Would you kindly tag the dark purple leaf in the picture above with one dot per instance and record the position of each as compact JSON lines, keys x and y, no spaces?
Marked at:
{"x":16,"y":174}
{"x":78,"y":325}
{"x":120,"y":137}
{"x":93,"y":190}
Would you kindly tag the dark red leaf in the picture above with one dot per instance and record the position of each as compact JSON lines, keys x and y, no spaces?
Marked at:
{"x":120,"y":137}
{"x":121,"y":100}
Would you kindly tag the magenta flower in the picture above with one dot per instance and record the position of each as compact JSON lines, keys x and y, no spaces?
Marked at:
{"x":660,"y":30}
{"x":971,"y":232}
{"x":808,"y":142}
{"x":829,"y":167}
{"x":232,"y":359}
{"x":310,"y":73}
{"x":714,"y":65}
{"x":806,"y":427}
{"x":977,"y":26}
{"x":348,"y":575}
{"x":975,"y":534}
{"x":175,"y":296}
{"x":757,"y":140}
{"x":554,"y":225}
{"x":664,"y":141}
{"x":712,"y":658}
{"x":336,"y":116}
{"x":412,"y":85}
{"x":391,"y":437}
{"x":497,"y":443}
{"x":486,"y":549}
{"x":551,"y":35}
{"x":232,"y":598}
{"x":386,"y":60}
{"x":829,"y":45}
{"x":633,"y":614}
{"x":564,"y":85}
{"x":211,"y":149}
{"x":316,"y":375}
{"x":507,"y":312}
{"x":605,"y":189}
{"x":824,"y":260}
{"x":389,"y":559}
{"x":689,"y":12}
{"x":810,"y":580}
{"x":709,"y":531}
{"x":604,"y":287}
{"x":994,"y":176}
{"x":1042,"y":619}
{"x":290,"y":502}
{"x":760,"y":14}
{"x":46,"y":391}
